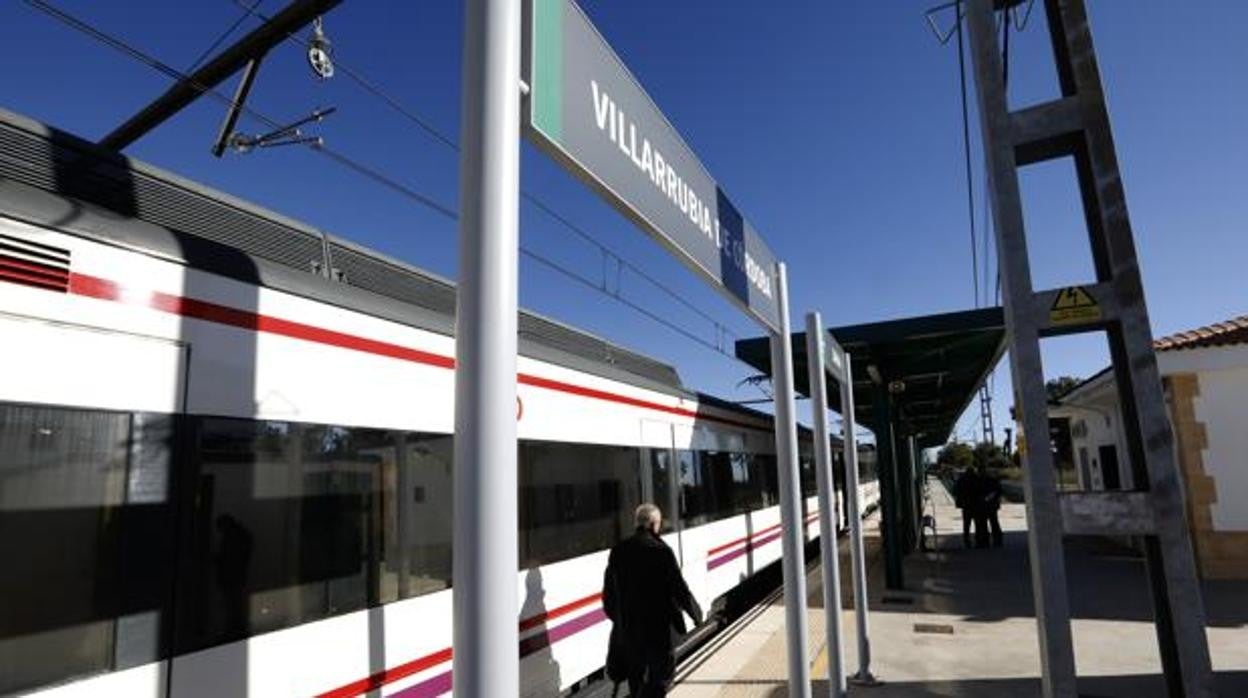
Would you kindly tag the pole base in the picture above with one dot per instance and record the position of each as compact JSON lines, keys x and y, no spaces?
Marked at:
{"x":864,"y":679}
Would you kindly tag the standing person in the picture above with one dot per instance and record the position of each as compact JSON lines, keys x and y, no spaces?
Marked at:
{"x":991,"y":496}
{"x":644,"y":594}
{"x":966,"y":497}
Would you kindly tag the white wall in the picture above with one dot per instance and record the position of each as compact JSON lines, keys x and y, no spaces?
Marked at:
{"x":1223,"y":408}
{"x":1096,"y":406}
{"x":1102,"y":430}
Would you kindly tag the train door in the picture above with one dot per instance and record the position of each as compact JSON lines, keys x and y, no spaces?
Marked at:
{"x":692,"y":499}
{"x":87,"y":433}
{"x":657,"y":472}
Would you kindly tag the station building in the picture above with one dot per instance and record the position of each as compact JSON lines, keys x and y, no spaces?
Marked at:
{"x":1205,"y":377}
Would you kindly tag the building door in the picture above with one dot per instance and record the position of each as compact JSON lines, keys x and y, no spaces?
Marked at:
{"x":1085,"y":469}
{"x":1109,"y":468}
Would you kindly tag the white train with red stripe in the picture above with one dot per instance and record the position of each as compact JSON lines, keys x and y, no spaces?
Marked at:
{"x":225,"y":453}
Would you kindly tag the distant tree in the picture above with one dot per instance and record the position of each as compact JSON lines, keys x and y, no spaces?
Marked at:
{"x":1058,"y":387}
{"x":990,"y":455}
{"x":956,"y":455}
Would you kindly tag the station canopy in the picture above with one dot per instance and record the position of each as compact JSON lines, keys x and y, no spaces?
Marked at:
{"x":931,"y":367}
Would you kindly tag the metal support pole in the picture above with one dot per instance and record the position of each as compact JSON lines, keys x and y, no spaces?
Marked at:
{"x":1044,"y":517}
{"x":890,"y":518}
{"x":404,"y":514}
{"x":240,"y":98}
{"x":916,"y":489}
{"x":486,"y":664}
{"x":828,"y":549}
{"x":905,"y":492}
{"x":264,"y":37}
{"x":790,"y":509}
{"x":857,"y":556}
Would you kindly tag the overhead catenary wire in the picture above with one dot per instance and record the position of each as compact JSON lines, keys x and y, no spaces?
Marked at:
{"x":991,"y":293}
{"x":1005,"y":86}
{"x":1005,"y":57}
{"x":224,"y":35}
{"x":589,"y":283}
{"x":986,"y":233}
{"x":388,"y":182}
{"x":603,"y":249}
{"x":368,"y":85}
{"x":989,"y":228}
{"x":966,"y":149}
{"x":176,"y":74}
{"x":437,"y":135}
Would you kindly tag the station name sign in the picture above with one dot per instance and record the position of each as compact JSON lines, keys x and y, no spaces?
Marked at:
{"x":589,"y":112}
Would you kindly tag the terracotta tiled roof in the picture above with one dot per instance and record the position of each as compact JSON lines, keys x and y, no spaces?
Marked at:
{"x":1233,"y":331}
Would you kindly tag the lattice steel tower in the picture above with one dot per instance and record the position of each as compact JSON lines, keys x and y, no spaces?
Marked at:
{"x":1077,"y":125}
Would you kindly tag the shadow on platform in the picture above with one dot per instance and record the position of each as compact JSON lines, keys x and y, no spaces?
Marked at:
{"x":1233,"y":683}
{"x":1106,"y":578}
{"x":966,"y":621}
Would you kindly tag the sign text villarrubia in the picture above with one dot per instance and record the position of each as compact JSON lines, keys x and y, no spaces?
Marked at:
{"x":587,"y":110}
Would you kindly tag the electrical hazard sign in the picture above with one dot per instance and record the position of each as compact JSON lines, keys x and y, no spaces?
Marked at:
{"x":1074,"y":305}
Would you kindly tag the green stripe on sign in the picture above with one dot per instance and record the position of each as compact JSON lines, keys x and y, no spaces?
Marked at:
{"x":547,"y":84}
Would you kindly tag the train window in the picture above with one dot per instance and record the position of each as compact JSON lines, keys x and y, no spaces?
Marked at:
{"x":661,"y":482}
{"x":731,"y":486}
{"x":868,"y":460}
{"x":719,"y":483}
{"x":750,"y":492}
{"x":695,"y":494}
{"x":340,"y":511}
{"x":148,"y":541}
{"x":574,"y":499}
{"x":62,"y":489}
{"x":806,"y":468}
{"x":416,"y":505}
{"x":282,"y":527}
{"x":763,"y":469}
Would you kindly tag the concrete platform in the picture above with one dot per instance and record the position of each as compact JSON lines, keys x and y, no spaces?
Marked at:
{"x":966,"y":626}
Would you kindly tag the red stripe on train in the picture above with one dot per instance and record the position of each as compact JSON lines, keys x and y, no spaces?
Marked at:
{"x":527,"y":646}
{"x":103,"y":289}
{"x":93,"y":287}
{"x":762,"y":532}
{"x":550,"y":384}
{"x":539,"y":619}
{"x":391,"y":675}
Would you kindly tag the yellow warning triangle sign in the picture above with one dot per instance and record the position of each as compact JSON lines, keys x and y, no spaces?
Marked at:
{"x":1073,"y":297}
{"x":1074,"y":305}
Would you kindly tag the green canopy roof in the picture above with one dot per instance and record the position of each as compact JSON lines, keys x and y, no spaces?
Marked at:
{"x":932,"y":366}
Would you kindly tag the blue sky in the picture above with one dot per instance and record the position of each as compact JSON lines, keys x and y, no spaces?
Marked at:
{"x":835,"y":126}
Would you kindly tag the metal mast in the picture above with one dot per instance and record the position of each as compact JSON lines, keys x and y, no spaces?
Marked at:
{"x":1077,"y":125}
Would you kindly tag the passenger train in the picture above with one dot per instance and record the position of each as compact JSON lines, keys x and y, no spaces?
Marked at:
{"x":225,"y":453}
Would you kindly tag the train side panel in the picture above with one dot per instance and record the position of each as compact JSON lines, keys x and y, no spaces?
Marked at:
{"x":265,"y":369}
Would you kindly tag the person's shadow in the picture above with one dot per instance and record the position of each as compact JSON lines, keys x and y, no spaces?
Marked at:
{"x":539,"y":672}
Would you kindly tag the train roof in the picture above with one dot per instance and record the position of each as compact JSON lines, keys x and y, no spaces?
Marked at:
{"x":55,"y":179}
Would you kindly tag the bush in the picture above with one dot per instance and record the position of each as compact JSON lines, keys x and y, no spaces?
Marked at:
{"x":1006,"y":472}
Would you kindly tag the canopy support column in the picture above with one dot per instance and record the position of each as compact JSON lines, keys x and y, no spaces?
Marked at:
{"x":890,"y":501}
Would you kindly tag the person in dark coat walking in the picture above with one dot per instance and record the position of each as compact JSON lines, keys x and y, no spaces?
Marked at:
{"x":966,"y":495}
{"x":644,"y":595}
{"x":990,"y":501}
